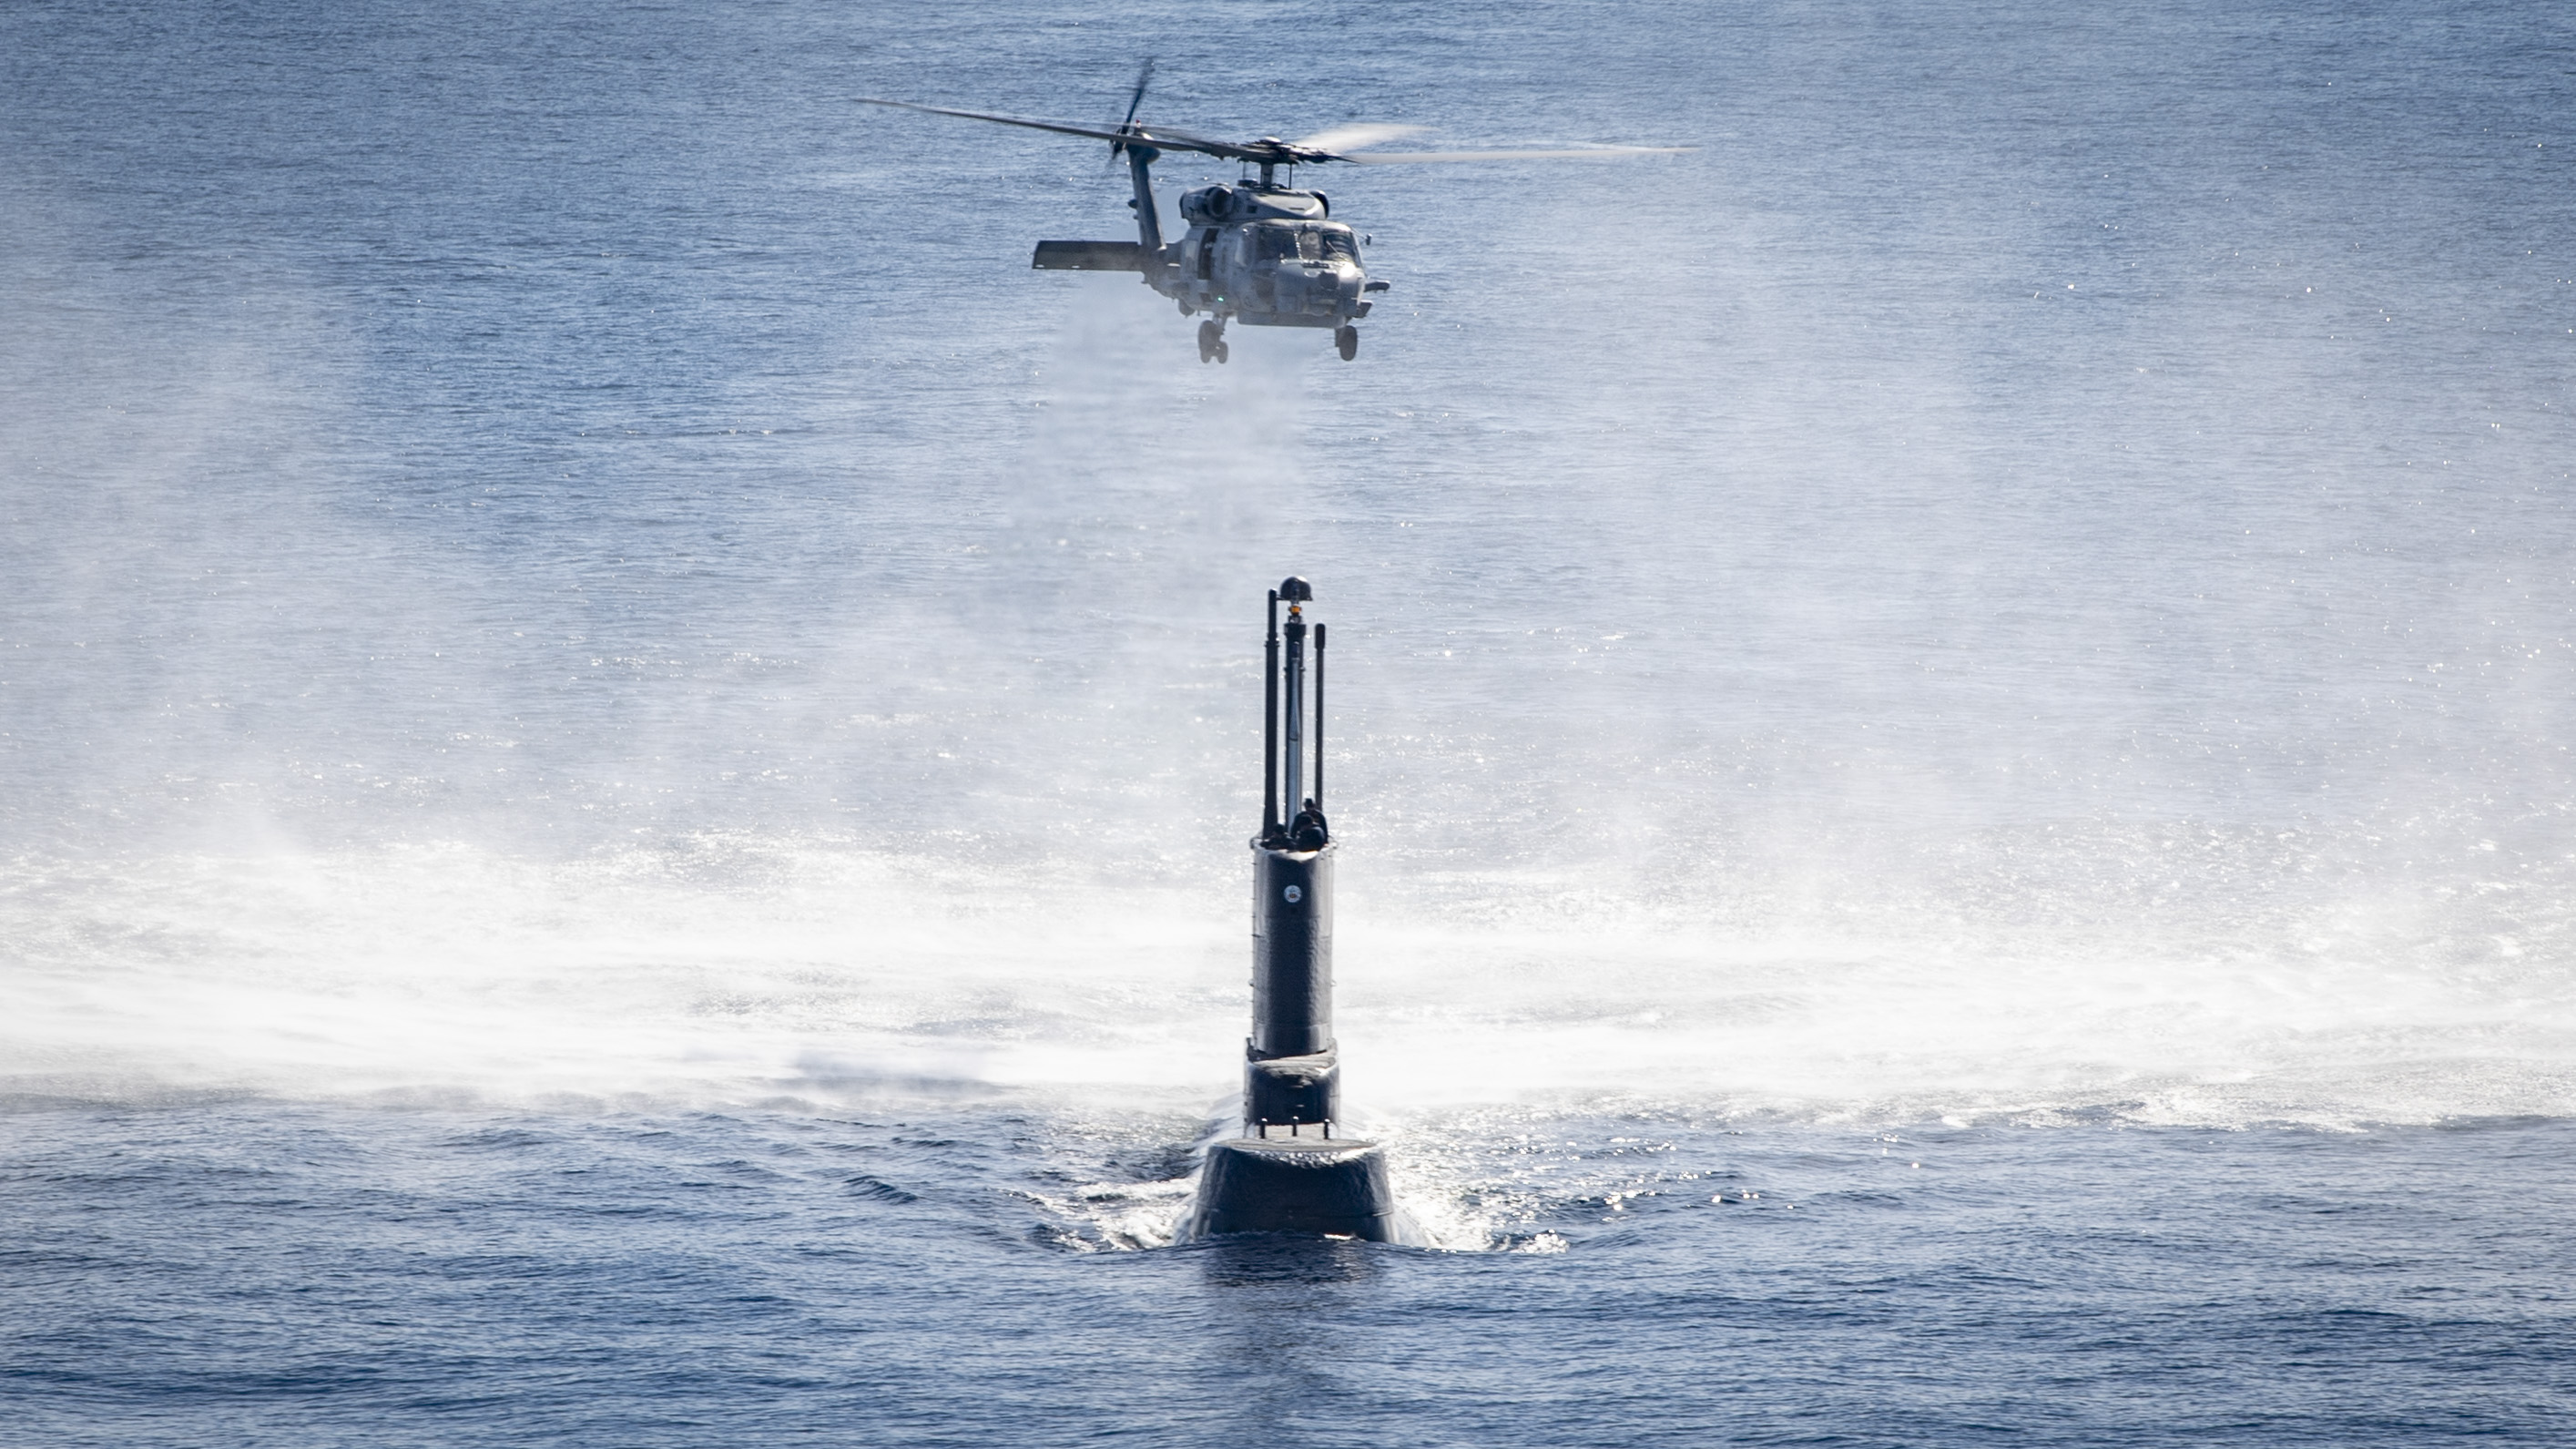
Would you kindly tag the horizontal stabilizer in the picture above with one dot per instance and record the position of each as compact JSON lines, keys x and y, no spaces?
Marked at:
{"x":1087,"y":256}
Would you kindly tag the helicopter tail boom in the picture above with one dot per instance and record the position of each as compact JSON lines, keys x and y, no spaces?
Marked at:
{"x":1149,"y":221}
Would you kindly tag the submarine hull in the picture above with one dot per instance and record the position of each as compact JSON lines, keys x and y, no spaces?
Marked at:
{"x":1304,"y":1185}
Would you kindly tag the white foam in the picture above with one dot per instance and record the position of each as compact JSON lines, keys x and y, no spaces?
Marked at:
{"x":731,"y":969}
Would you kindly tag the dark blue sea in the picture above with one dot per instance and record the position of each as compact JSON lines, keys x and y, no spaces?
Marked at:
{"x":626,"y":746}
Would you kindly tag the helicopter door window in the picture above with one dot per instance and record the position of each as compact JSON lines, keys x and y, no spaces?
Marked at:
{"x":1207,"y":253}
{"x":1310,"y":247}
{"x":1275,"y":244}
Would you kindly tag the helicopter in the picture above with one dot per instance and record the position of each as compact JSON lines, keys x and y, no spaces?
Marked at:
{"x":1260,"y":252}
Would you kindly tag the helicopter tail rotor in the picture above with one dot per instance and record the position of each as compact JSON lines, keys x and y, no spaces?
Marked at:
{"x":1127,"y":124}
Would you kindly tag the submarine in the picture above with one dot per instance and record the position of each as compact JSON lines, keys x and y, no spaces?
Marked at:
{"x":1283,"y":1171}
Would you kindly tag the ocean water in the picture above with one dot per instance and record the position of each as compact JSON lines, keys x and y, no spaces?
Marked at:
{"x":625,"y":748}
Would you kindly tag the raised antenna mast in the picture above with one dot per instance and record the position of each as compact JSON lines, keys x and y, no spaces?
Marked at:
{"x":1319,"y":719}
{"x":1270,"y":727}
{"x":1292,"y":708}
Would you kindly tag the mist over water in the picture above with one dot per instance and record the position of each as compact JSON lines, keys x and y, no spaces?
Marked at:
{"x":570,"y":596}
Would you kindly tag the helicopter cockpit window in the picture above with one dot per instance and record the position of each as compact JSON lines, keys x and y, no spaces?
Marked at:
{"x":1283,"y":244}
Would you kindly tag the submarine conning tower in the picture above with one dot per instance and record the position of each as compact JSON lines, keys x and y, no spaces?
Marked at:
{"x":1285,"y":1171}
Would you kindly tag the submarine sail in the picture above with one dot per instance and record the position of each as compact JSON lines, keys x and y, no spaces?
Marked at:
{"x":1285,"y":1171}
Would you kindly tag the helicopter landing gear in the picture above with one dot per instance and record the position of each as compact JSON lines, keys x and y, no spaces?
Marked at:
{"x":1212,"y":346}
{"x":1346,"y":341}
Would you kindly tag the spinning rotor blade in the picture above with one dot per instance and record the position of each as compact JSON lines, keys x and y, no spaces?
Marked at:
{"x":1269,"y":152}
{"x":1589,"y":153}
{"x":1127,"y":124}
{"x":1143,"y":78}
{"x":1157,"y":138}
{"x":1354,"y":137}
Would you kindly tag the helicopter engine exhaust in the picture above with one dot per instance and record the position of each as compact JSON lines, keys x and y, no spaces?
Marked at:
{"x":1285,"y":1171}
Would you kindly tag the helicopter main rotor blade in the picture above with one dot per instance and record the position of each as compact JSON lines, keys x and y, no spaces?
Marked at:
{"x":1354,"y":137}
{"x":1270,"y":152}
{"x":1160,"y":140}
{"x":1589,"y":153}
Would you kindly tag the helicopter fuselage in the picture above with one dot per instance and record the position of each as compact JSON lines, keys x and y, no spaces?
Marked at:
{"x":1264,"y":257}
{"x":1258,"y":253}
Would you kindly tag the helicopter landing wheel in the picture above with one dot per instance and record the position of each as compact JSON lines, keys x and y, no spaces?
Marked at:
{"x":1346,"y":341}
{"x":1221,"y":352}
{"x":1211,"y":341}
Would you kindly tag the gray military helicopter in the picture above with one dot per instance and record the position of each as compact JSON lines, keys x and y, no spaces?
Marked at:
{"x":1260,"y":252}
